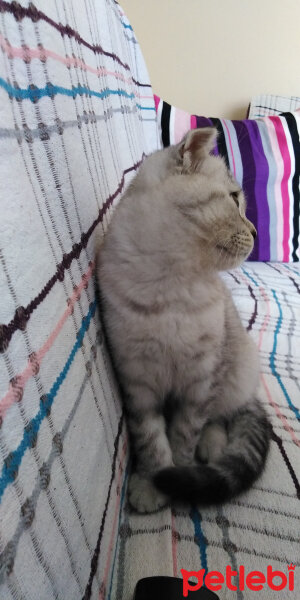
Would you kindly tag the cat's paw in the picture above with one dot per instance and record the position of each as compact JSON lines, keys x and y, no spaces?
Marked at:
{"x":143,"y":496}
{"x":182,"y":454}
{"x":182,"y":459}
{"x":212,"y":443}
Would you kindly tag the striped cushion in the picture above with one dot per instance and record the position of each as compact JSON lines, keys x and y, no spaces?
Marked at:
{"x":264,"y":156}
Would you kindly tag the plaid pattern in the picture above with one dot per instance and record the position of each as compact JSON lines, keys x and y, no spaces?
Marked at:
{"x":261,"y":527}
{"x":76,"y":119}
{"x":268,"y":104}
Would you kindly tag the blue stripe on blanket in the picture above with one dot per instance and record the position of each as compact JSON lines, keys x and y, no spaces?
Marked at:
{"x":272,"y":358}
{"x":35,"y":93}
{"x":14,"y":459}
{"x":199,"y":536}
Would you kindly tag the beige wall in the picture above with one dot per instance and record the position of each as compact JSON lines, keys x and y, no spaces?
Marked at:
{"x":211,"y":56}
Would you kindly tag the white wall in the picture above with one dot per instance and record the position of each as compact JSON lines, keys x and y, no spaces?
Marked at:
{"x":210,"y":57}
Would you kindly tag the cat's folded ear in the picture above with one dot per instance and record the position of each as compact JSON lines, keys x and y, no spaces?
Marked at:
{"x":195,"y":147}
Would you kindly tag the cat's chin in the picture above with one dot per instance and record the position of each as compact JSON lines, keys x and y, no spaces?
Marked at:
{"x":228,"y":259}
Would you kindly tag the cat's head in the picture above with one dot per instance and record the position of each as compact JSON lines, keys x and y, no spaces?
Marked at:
{"x":214,"y":205}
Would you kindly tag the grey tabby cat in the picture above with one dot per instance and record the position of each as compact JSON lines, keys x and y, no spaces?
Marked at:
{"x":188,"y":369}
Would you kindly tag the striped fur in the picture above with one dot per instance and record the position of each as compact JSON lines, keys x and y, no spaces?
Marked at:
{"x":231,"y":473}
{"x":260,"y":527}
{"x":181,"y":353}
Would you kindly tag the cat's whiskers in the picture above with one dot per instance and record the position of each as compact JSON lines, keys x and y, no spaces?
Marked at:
{"x":221,"y":254}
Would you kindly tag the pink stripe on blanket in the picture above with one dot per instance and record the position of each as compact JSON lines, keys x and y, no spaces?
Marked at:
{"x":275,"y":406}
{"x":27,"y":54}
{"x":17,"y":385}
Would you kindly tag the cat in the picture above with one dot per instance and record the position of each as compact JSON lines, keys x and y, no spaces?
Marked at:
{"x":188,"y":370}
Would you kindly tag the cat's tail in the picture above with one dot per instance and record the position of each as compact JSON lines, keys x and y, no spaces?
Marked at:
{"x":240,"y":464}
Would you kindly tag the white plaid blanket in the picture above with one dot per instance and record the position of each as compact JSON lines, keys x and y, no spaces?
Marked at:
{"x":77,"y":117}
{"x":270,"y":104}
{"x":261,"y":527}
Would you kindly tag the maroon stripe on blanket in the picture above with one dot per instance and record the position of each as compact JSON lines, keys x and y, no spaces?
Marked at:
{"x":19,"y":12}
{"x":22,"y":314}
{"x":285,"y":457}
{"x":254,"y":313}
{"x":94,"y":561}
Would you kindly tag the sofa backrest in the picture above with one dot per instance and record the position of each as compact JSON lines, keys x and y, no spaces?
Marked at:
{"x":76,"y":119}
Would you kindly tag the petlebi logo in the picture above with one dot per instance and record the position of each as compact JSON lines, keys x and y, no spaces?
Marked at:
{"x":254,"y":580}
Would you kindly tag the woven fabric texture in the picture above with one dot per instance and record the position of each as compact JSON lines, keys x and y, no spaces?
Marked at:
{"x":269,"y":104}
{"x":261,"y":527}
{"x":76,"y":119}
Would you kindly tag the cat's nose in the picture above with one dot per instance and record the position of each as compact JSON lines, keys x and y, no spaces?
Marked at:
{"x":251,"y":227}
{"x":253,"y":231}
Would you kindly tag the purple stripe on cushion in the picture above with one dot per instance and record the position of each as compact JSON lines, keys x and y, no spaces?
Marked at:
{"x":260,"y":193}
{"x":203,"y":122}
{"x":249,"y":171}
{"x":252,"y":151}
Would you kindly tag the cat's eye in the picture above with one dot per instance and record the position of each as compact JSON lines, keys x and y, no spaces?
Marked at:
{"x":235,"y":197}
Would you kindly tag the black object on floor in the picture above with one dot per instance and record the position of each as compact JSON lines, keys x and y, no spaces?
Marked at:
{"x":168,"y":588}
